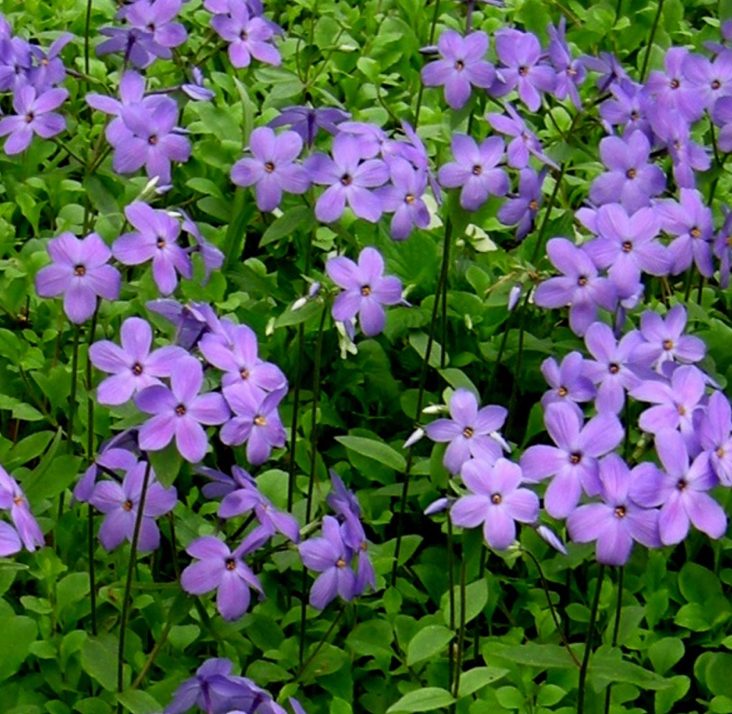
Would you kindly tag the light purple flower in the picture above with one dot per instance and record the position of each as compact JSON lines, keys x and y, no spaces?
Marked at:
{"x":305,"y":121}
{"x":33,"y":115}
{"x":495,"y":500}
{"x":524,"y":144}
{"x":524,"y":207}
{"x":247,"y":36}
{"x":673,"y":91}
{"x":631,"y":108}
{"x":567,"y":381}
{"x":49,"y":68}
{"x":9,"y":540}
{"x":710,"y":79}
{"x":687,"y":156}
{"x":132,"y":365}
{"x":573,"y":462}
{"x":365,"y":290}
{"x":120,"y":504}
{"x":715,"y":436}
{"x":619,"y":521}
{"x":110,"y":458}
{"x":331,"y":557}
{"x":80,"y":273}
{"x":156,"y":18}
{"x":272,"y":168}
{"x":255,"y":421}
{"x":665,"y":341}
{"x":14,"y":500}
{"x":472,"y":433}
{"x":403,"y":197}
{"x":155,"y":239}
{"x":180,"y":411}
{"x":475,"y":170}
{"x":570,"y":72}
{"x":461,"y":67}
{"x":220,"y":569}
{"x":681,"y":492}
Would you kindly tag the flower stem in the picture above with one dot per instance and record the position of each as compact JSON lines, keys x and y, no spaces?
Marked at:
{"x":461,"y":631}
{"x":420,"y":92}
{"x":87,"y":32}
{"x":588,"y":644}
{"x":320,"y":644}
{"x":451,"y":592}
{"x":128,"y":584}
{"x":616,"y":629}
{"x":647,"y":58}
{"x":92,"y":573}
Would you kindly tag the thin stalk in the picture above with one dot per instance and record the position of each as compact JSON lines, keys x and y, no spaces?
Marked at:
{"x":295,"y":414}
{"x":128,"y":585}
{"x":92,"y":569}
{"x":451,"y":592}
{"x":647,"y":58}
{"x":588,"y":644}
{"x":320,"y":644}
{"x":87,"y":32}
{"x":441,"y":285}
{"x":476,"y":626}
{"x":469,"y":18}
{"x":549,"y":206}
{"x":461,"y":631}
{"x":555,"y":617}
{"x":153,"y":655}
{"x":72,"y":408}
{"x":420,"y":92}
{"x":90,"y":400}
{"x":616,"y":629}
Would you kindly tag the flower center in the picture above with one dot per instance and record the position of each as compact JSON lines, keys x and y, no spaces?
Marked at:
{"x":151,"y":27}
{"x":634,"y":115}
{"x":459,"y":65}
{"x":152,"y":140}
{"x":575,"y":458}
{"x":631,"y":173}
{"x":44,"y":62}
{"x":562,"y":391}
{"x":409,"y":198}
{"x":366,"y":290}
{"x":18,"y":501}
{"x":695,"y":232}
{"x":674,"y":84}
{"x":681,"y":409}
{"x":477,"y":170}
{"x":80,"y":270}
{"x":720,"y":452}
{"x":716,"y":84}
{"x":620,"y":511}
{"x":613,"y":368}
{"x":269,"y":167}
{"x":496,"y":499}
{"x":468,"y":432}
{"x":668,"y":345}
{"x":627,"y":246}
{"x":244,"y":374}
{"x":160,"y":243}
{"x":128,"y":505}
{"x":582,"y":281}
{"x":243,"y":35}
{"x":29,"y":117}
{"x":341,"y":563}
{"x":137,"y":369}
{"x":346,"y":180}
{"x":180,"y":410}
{"x":260,"y":420}
{"x":681,"y":484}
{"x":571,"y":72}
{"x":230,"y":564}
{"x":523,"y":70}
{"x":534,"y":205}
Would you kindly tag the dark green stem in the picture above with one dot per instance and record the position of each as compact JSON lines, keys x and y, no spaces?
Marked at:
{"x":616,"y":629}
{"x":320,"y":644}
{"x":451,"y":592}
{"x":126,"y":598}
{"x":461,"y":631}
{"x":588,"y":644}
{"x":87,"y":32}
{"x":153,"y":655}
{"x":420,"y":92}
{"x":647,"y":58}
{"x":92,"y":572}
{"x":549,"y":206}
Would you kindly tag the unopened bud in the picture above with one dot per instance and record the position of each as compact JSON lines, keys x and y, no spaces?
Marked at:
{"x":299,"y":303}
{"x":417,"y":434}
{"x":549,"y":536}
{"x":436,"y":409}
{"x":441,"y":504}
{"x":514,"y":296}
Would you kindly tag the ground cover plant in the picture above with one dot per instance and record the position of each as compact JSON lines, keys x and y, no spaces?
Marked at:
{"x":365,"y":356}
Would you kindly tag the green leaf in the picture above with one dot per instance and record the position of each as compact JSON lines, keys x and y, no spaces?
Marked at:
{"x":99,"y":659}
{"x":607,"y":666}
{"x":167,"y":463}
{"x":298,"y":217}
{"x":423,"y":700}
{"x":138,"y":702}
{"x":419,"y":341}
{"x":476,"y":597}
{"x":376,"y":450}
{"x":533,"y":654}
{"x":550,"y":694}
{"x":665,"y":653}
{"x":510,"y":698}
{"x":428,"y":642}
{"x":27,"y":449}
{"x":53,"y":480}
{"x":18,"y":632}
{"x":719,"y":674}
{"x":479,"y":677}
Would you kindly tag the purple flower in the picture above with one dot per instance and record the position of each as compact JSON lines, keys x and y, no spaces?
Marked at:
{"x":664,"y":339}
{"x":619,"y":521}
{"x":131,"y":90}
{"x":715,"y":438}
{"x":80,"y":273}
{"x":403,"y":197}
{"x":220,"y":569}
{"x":211,"y":256}
{"x":673,"y":91}
{"x":9,"y":540}
{"x":525,"y":143}
{"x":581,"y":288}
{"x":180,"y":411}
{"x":14,"y":500}
{"x":365,"y":290}
{"x":49,"y":69}
{"x":609,"y":67}
{"x":723,"y":248}
{"x":495,"y":500}
{"x":133,"y":366}
{"x":681,"y":492}
{"x":573,"y":462}
{"x":520,"y":53}
{"x":709,"y":79}
{"x":138,"y":46}
{"x":305,"y":121}
{"x":195,"y":88}
{"x":472,"y":433}
{"x":109,"y":459}
{"x":627,"y":245}
{"x":255,"y":421}
{"x":273,"y":168}
{"x":155,"y":239}
{"x":15,"y":63}
{"x":676,"y":401}
{"x":613,"y":369}
{"x":236,"y":354}
{"x":524,"y":207}
{"x":121,"y":502}
{"x":462,"y":65}
{"x":147,"y":136}
{"x":33,"y":115}
{"x":247,"y":36}
{"x":474,"y":170}
{"x":687,"y":156}
{"x":690,"y":220}
{"x":331,"y":557}
{"x":567,"y":381}
{"x":630,"y":108}
{"x":570,"y":73}
{"x":631,"y":180}
{"x":192,"y":321}
{"x":242,"y":495}
{"x":156,"y":18}
{"x":348,"y":179}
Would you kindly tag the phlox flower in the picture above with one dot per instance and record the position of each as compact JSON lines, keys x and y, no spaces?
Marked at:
{"x":14,"y":500}
{"x":34,"y":115}
{"x":567,"y":380}
{"x":715,"y":436}
{"x":664,"y":339}
{"x":248,"y":36}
